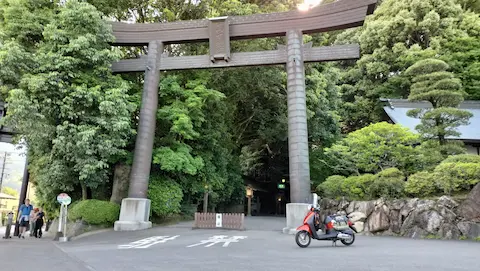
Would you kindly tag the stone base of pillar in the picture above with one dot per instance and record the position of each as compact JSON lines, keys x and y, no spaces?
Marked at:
{"x":134,"y":215}
{"x":296,"y":212}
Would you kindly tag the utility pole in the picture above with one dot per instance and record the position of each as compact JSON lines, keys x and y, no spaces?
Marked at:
{"x":23,"y":194}
{"x":3,"y":170}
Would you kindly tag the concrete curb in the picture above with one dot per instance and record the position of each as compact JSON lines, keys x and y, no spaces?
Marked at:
{"x":289,"y":231}
{"x":90,"y":233}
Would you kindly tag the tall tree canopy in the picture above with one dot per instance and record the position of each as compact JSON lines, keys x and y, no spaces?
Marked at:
{"x":396,"y":36}
{"x":74,"y":115}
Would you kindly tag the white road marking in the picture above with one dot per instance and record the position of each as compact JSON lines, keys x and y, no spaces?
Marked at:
{"x":148,"y":242}
{"x":219,"y":239}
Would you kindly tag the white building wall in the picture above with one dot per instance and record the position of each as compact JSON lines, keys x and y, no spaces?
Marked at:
{"x":471,"y":149}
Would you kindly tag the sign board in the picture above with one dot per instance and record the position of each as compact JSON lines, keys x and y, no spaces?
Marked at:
{"x":281,"y":186}
{"x":64,"y":198}
{"x":218,"y":220}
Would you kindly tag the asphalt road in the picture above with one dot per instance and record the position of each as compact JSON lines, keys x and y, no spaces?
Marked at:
{"x":180,"y":248}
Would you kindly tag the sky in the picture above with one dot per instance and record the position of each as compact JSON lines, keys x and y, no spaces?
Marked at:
{"x":15,"y":164}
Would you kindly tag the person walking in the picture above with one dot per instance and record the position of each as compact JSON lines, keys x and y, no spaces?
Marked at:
{"x":33,"y":216}
{"x":39,"y":223}
{"x":24,"y":217}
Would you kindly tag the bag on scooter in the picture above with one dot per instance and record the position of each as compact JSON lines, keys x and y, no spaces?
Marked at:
{"x":340,"y":222}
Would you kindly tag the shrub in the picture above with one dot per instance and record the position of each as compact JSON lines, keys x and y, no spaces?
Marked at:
{"x":421,"y":184}
{"x":166,"y":196}
{"x":456,"y":176}
{"x":389,"y":184}
{"x":95,"y":212}
{"x":462,"y":158}
{"x":331,"y":187}
{"x":358,"y":187}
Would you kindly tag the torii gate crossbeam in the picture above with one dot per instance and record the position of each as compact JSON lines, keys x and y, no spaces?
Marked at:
{"x":341,"y":14}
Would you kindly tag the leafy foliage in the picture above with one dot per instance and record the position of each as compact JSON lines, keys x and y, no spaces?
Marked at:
{"x":213,"y":126}
{"x":388,"y":183}
{"x":396,"y":36}
{"x":457,"y":176}
{"x":165,"y":195}
{"x":358,"y":187}
{"x":9,"y":191}
{"x":434,"y":84}
{"x":464,"y":60}
{"x":73,"y":113}
{"x":332,"y":186}
{"x":94,"y":212}
{"x":421,"y":184}
{"x":462,"y":158}
{"x":377,"y":147}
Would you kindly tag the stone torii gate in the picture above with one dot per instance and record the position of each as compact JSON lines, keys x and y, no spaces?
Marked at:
{"x":218,"y":32}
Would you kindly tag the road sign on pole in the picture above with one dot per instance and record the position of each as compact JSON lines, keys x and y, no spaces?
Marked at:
{"x":64,"y":198}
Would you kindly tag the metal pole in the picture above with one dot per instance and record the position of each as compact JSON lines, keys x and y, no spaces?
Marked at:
{"x":23,"y":194}
{"x":65,"y":214}
{"x":249,"y":206}
{"x":60,"y":220}
{"x":3,"y":170}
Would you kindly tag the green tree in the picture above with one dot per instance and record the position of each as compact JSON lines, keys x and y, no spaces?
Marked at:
{"x":396,"y":36}
{"x":464,"y":59}
{"x":377,"y":147}
{"x":10,"y":191}
{"x":432,"y":83}
{"x":21,"y":26}
{"x":74,"y":115}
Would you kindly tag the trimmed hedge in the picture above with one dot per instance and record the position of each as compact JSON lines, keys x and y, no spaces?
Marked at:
{"x":94,"y":212}
{"x":388,"y":184}
{"x":421,"y":184}
{"x":454,"y":174}
{"x":166,"y":196}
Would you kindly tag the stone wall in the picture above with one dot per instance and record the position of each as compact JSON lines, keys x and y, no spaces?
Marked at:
{"x":415,"y":218}
{"x":74,"y":228}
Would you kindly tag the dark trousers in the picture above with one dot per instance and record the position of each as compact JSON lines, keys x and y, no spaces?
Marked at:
{"x":38,"y":229}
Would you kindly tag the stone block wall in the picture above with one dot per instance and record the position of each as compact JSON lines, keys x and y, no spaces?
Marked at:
{"x":415,"y":218}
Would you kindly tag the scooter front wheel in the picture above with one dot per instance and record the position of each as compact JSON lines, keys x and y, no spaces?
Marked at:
{"x":303,"y":239}
{"x":349,"y":241}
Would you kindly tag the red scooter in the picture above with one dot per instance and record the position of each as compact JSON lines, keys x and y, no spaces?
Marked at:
{"x":336,"y":227}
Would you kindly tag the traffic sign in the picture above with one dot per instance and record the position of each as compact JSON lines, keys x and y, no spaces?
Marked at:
{"x":64,"y":198}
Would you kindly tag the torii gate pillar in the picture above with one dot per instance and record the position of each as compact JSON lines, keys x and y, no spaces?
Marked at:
{"x":299,"y":168}
{"x":135,"y":210}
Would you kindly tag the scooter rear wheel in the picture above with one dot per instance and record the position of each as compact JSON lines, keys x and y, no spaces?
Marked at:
{"x":349,"y":241}
{"x":303,"y":239}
